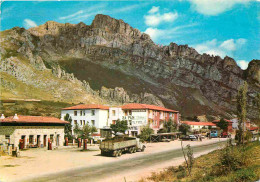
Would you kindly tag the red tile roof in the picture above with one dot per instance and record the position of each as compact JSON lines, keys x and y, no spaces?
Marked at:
{"x":253,"y":128}
{"x":219,"y":120}
{"x":145,"y":106}
{"x":33,"y":119}
{"x":87,"y":106}
{"x":199,"y":123}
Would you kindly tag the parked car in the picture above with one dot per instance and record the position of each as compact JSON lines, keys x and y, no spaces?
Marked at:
{"x":188,"y":137}
{"x":166,"y":140}
{"x":193,"y":137}
{"x":185,"y":137}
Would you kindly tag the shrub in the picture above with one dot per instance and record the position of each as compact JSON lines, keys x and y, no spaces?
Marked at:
{"x":245,"y":175}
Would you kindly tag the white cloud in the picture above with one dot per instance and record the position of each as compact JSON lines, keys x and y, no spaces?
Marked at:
{"x":243,"y":64}
{"x":71,"y":16}
{"x":156,"y":19}
{"x":27,"y":23}
{"x":222,"y":49}
{"x":154,"y":9}
{"x":214,"y":7}
{"x":167,"y":34}
{"x":229,"y":45}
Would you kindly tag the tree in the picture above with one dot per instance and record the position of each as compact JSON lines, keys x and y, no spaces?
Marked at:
{"x":222,"y":124}
{"x":189,"y":158}
{"x":170,"y":126}
{"x":78,"y":132}
{"x":258,"y":104}
{"x":87,"y":130}
{"x":241,"y":111}
{"x":119,"y":126}
{"x":184,"y":128}
{"x":68,"y":127}
{"x":146,"y":132}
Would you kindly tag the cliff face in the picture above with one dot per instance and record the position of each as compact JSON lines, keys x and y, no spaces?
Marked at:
{"x":134,"y":68}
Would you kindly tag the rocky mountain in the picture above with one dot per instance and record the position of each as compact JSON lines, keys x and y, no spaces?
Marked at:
{"x":111,"y":62}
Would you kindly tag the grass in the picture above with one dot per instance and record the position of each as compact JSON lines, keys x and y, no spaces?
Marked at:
{"x":41,"y":108}
{"x":212,"y":168}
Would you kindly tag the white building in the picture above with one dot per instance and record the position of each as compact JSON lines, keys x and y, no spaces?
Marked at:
{"x":196,"y":126}
{"x":235,"y":124}
{"x":92,"y":114}
{"x":137,"y":115}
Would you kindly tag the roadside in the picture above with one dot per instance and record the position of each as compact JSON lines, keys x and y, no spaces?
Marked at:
{"x":39,"y":162}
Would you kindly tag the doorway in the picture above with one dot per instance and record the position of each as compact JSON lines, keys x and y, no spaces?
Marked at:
{"x":38,"y":140}
{"x":58,"y":140}
{"x":44,"y":140}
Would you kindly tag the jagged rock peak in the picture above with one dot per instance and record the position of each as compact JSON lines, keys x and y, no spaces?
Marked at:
{"x":253,"y":71}
{"x":113,"y":25}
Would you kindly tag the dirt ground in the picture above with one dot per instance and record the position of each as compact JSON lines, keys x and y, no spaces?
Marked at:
{"x":36,"y":162}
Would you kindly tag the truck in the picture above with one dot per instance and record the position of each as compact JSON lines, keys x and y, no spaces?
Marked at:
{"x":214,"y":134}
{"x":118,"y":145}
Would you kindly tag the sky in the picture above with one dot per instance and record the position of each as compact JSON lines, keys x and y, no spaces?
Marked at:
{"x":216,"y":27}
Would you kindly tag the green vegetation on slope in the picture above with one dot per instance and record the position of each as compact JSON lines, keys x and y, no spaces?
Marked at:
{"x":99,"y":76}
{"x":34,"y":108}
{"x":236,"y":164}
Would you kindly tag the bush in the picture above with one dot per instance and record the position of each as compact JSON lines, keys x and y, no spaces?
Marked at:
{"x":146,"y":133}
{"x":245,"y":175}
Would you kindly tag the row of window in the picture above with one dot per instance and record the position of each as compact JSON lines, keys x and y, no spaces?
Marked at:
{"x":82,"y":113}
{"x":83,"y":122}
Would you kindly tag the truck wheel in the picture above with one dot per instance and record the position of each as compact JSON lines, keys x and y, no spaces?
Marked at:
{"x":119,"y":152}
{"x":130,"y":150}
{"x":103,"y":153}
{"x":143,"y":149}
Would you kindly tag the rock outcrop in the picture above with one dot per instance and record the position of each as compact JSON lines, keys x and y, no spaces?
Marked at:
{"x":176,"y":76}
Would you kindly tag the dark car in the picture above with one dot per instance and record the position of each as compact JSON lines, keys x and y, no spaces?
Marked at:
{"x":185,"y":137}
{"x":188,"y":137}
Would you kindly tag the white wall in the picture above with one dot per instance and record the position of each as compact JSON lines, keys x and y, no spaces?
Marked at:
{"x":100,"y":118}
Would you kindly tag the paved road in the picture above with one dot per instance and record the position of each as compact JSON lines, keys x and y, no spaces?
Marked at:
{"x":99,"y":172}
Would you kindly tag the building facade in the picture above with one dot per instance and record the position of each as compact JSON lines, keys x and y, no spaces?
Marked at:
{"x":92,"y":114}
{"x":141,"y":115}
{"x":229,"y":128}
{"x":137,"y":116}
{"x":196,"y":126}
{"x":32,"y":131}
{"x":235,"y":124}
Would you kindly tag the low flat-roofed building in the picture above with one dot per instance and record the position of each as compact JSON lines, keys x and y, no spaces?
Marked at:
{"x":199,"y":125}
{"x":31,"y":131}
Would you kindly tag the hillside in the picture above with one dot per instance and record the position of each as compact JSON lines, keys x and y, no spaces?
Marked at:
{"x":112,"y":63}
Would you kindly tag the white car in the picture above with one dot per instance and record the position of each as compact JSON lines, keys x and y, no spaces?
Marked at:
{"x":193,"y":137}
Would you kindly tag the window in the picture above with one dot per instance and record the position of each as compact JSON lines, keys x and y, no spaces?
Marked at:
{"x":75,"y":122}
{"x":125,"y":113}
{"x":7,"y":137}
{"x":84,"y":122}
{"x":93,"y":122}
{"x":92,"y":112}
{"x":130,"y":112}
{"x":113,"y":112}
{"x":84,"y":113}
{"x":75,"y":113}
{"x":30,"y":139}
{"x":81,"y":122}
{"x":81,"y":113}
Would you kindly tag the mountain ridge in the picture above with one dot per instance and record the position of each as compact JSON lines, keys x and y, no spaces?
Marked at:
{"x":176,"y":75}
